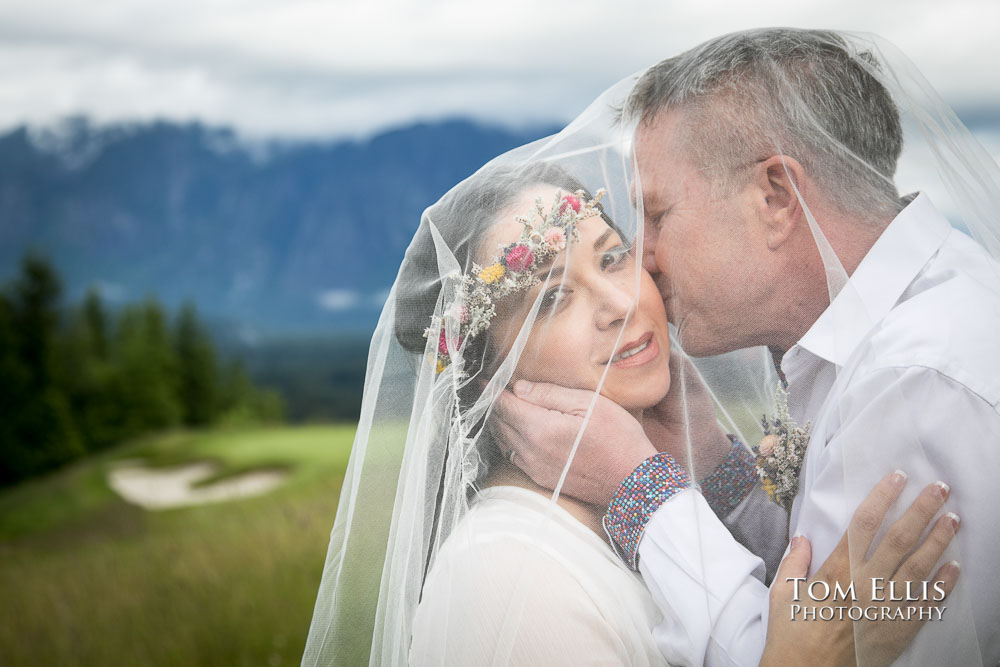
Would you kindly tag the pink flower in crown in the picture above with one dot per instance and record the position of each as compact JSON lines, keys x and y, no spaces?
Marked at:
{"x":555,"y":238}
{"x":443,"y":343}
{"x":572,"y":202}
{"x":519,"y":258}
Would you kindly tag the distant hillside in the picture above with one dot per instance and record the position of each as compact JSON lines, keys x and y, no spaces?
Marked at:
{"x":296,"y":238}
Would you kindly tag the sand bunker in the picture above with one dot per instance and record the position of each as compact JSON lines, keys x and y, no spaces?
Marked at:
{"x":166,"y":488}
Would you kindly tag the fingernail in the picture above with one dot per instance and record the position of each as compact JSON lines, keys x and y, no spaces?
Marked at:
{"x":954,"y":565}
{"x":522,"y":388}
{"x":956,"y":521}
{"x":797,"y":538}
{"x":945,"y":489}
{"x":899,"y":478}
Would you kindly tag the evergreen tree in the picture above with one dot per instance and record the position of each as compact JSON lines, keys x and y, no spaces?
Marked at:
{"x":145,"y":371}
{"x":13,"y":392}
{"x":89,"y":383}
{"x":243,"y":403}
{"x":197,"y":371}
{"x":41,"y":433}
{"x":36,"y":317}
{"x":89,"y":374}
{"x":95,"y":322}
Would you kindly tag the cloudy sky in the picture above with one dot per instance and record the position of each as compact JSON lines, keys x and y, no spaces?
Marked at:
{"x":309,"y":69}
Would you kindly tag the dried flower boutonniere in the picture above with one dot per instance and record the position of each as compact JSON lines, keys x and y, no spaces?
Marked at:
{"x":781,"y":452}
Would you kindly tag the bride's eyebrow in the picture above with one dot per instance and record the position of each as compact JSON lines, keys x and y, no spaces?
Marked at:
{"x":602,"y":239}
{"x":556,"y":272}
{"x":552,"y":273}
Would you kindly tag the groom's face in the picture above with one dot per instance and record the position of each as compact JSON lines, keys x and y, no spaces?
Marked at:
{"x":697,"y":241}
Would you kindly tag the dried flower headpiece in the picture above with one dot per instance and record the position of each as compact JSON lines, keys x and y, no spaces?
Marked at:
{"x":544,"y":235}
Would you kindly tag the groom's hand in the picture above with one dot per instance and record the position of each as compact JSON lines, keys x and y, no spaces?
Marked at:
{"x":540,"y":423}
{"x":684,"y":423}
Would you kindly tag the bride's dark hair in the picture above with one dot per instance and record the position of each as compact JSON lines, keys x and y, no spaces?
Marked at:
{"x":462,"y":217}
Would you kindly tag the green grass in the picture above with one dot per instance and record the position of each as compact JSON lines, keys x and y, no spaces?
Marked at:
{"x":90,"y":580}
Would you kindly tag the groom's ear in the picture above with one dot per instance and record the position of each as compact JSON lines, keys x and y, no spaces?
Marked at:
{"x":777,"y":178}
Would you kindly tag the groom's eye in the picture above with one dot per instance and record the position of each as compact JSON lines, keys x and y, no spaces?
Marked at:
{"x":659,"y":218}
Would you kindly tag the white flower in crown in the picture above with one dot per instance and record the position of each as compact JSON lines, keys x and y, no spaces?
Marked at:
{"x":780,"y":453}
{"x":544,"y":234}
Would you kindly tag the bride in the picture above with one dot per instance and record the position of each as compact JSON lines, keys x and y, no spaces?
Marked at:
{"x":443,"y":551}
{"x":592,"y":323}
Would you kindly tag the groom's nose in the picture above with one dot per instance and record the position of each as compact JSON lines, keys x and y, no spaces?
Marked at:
{"x":649,"y":249}
{"x":662,"y":285}
{"x":649,"y":262}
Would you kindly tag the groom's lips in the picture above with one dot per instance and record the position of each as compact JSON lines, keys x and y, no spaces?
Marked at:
{"x":650,"y":352}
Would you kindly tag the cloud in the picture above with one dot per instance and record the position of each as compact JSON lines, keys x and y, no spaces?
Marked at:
{"x":340,"y":299}
{"x":336,"y":300}
{"x":378,"y":299}
{"x":111,"y":291}
{"x":304,"y":68}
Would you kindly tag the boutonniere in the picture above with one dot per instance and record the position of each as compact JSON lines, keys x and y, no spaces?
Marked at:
{"x":780,"y":453}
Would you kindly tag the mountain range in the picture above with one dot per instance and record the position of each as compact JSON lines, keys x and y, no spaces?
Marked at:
{"x":267,"y":238}
{"x":264,"y":238}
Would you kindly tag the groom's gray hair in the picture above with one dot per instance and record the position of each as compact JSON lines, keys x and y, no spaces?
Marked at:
{"x":802,"y":93}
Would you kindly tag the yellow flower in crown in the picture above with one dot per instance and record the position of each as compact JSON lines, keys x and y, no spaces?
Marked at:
{"x":492,"y":273}
{"x":545,"y":232}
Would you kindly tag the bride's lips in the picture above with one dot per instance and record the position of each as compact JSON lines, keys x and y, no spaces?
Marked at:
{"x":637,"y":353}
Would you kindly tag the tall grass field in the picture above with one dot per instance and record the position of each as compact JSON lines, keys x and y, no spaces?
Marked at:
{"x":88,"y":579}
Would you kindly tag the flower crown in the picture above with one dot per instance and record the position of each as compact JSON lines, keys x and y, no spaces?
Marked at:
{"x":543,"y":236}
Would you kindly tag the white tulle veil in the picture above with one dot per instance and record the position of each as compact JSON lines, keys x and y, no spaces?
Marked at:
{"x":424,"y":447}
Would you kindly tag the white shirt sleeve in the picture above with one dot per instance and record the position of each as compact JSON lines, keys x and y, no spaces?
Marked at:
{"x":915,"y":419}
{"x":933,"y":428}
{"x":761,"y":526}
{"x":707,"y":586}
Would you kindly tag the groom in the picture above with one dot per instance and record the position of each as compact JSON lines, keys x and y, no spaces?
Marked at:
{"x":747,"y":242}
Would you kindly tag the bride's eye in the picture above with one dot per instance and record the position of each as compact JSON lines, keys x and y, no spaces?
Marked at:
{"x":551,"y":299}
{"x":615,"y":256}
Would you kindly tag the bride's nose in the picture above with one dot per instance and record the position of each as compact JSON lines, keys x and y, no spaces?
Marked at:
{"x":614,"y":300}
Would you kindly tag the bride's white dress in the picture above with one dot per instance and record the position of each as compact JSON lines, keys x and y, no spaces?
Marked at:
{"x":522,"y":578}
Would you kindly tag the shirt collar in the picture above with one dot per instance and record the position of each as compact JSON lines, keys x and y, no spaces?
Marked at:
{"x":896,"y":258}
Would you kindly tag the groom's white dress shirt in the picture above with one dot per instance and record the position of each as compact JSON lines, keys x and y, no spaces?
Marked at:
{"x":902,"y":371}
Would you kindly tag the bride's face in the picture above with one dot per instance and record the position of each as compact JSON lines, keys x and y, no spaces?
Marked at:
{"x":593,"y":317}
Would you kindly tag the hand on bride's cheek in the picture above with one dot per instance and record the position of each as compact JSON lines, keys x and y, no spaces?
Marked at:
{"x":592,"y":321}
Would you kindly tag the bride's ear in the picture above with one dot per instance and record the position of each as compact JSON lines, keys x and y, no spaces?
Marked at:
{"x":779,"y":180}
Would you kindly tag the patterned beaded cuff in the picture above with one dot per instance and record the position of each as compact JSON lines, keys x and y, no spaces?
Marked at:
{"x":650,"y":485}
{"x":726,"y":486}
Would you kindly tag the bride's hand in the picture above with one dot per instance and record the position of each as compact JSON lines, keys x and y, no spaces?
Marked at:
{"x":900,"y":557}
{"x":540,"y":423}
